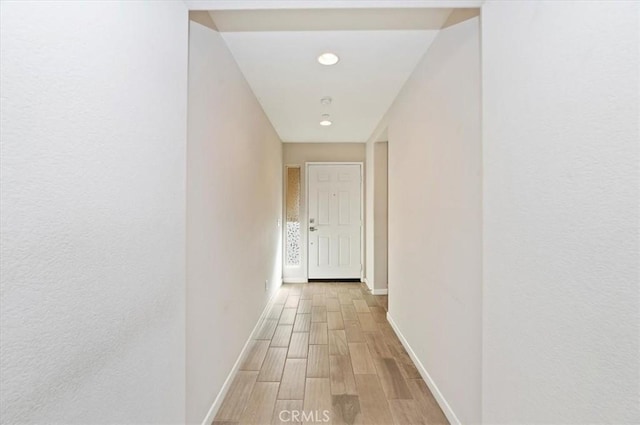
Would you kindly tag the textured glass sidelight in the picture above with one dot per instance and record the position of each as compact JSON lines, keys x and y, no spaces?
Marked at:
{"x":293,"y":217}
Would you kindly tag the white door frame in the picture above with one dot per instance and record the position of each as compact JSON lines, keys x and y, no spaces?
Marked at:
{"x":362,"y":224}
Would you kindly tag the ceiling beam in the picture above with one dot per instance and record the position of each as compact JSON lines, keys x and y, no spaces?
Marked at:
{"x":331,"y":19}
{"x":326,"y":4}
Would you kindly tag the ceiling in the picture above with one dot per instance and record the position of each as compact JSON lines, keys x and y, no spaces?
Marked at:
{"x":277,"y":52}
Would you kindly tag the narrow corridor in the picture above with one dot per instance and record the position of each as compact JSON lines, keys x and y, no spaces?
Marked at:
{"x":325,"y":353}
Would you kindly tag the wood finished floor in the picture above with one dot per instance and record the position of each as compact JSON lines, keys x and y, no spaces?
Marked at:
{"x":328,"y":347}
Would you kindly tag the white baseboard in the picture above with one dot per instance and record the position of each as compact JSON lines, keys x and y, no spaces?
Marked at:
{"x":294,"y":280}
{"x":446,"y":408}
{"x":379,"y":291}
{"x":234,"y":370}
{"x":366,"y":282}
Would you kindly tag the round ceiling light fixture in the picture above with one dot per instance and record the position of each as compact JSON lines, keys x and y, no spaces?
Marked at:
{"x":325,"y":122}
{"x":328,"y":58}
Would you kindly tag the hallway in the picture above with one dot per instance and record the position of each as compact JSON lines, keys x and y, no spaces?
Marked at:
{"x":173,"y":173}
{"x":326,"y":351}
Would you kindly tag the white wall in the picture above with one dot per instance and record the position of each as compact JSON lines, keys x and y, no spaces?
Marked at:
{"x":299,"y":154}
{"x":234,"y":203}
{"x":92,"y":218}
{"x":560,"y":147}
{"x":435,"y":236}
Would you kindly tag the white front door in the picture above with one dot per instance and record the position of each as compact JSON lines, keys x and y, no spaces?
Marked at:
{"x":335,"y":221}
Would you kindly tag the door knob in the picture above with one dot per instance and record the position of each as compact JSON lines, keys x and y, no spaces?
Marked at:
{"x":312,"y":229}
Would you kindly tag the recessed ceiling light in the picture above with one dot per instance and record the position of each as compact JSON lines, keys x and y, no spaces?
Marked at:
{"x":328,"y":59}
{"x":326,"y":100}
{"x":326,"y":122}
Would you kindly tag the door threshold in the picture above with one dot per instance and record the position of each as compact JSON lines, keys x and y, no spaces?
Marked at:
{"x":337,"y":280}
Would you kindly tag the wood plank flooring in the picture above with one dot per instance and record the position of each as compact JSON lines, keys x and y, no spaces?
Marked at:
{"x":326,"y":354}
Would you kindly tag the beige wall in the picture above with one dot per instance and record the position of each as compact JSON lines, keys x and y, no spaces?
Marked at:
{"x":234,"y":204}
{"x":380,"y":215}
{"x":299,"y":154}
{"x":435,"y":212}
{"x":369,"y":230}
{"x":377,"y":211}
